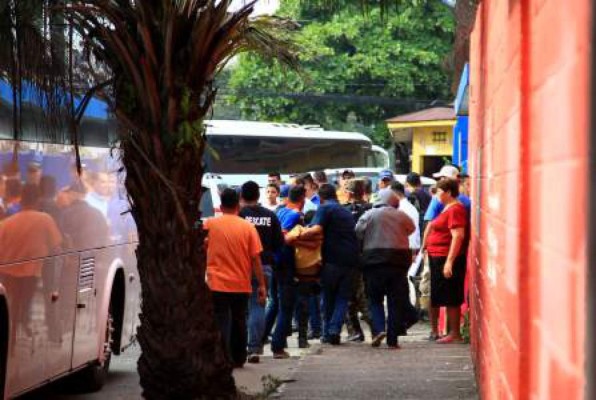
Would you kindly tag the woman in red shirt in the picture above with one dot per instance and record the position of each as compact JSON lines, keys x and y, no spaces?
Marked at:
{"x":445,"y":243}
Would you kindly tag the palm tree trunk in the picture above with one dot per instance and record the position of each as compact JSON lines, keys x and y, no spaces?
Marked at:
{"x":182,"y":353}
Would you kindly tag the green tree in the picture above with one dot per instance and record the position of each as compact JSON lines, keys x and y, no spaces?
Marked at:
{"x":357,"y":68}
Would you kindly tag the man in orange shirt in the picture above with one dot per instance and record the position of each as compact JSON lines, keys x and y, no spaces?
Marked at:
{"x":233,"y":254}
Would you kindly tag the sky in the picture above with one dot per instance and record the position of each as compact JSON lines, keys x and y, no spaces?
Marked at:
{"x":262,"y":6}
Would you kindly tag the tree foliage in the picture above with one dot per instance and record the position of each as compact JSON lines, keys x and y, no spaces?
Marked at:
{"x":357,"y":68}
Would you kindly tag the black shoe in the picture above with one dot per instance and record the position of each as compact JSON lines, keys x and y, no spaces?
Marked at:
{"x":303,"y":344}
{"x":357,"y":337}
{"x":334,"y":340}
{"x":378,"y":339}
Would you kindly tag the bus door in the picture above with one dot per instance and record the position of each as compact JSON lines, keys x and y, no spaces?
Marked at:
{"x":85,"y":335}
{"x":59,"y":284}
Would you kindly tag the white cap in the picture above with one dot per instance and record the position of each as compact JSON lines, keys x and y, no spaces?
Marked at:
{"x":448,"y":171}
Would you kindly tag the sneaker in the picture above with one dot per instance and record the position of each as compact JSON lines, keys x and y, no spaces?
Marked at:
{"x":303,"y":344}
{"x":378,"y":339}
{"x":357,"y":337}
{"x":334,"y":340}
{"x":433,"y":337}
{"x":281,"y":355}
{"x":253,"y":358}
{"x":393,"y":346}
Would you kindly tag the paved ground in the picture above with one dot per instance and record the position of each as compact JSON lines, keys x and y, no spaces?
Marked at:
{"x":420,"y":370}
{"x":123,"y":380}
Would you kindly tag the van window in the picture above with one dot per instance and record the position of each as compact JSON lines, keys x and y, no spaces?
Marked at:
{"x":206,"y":205}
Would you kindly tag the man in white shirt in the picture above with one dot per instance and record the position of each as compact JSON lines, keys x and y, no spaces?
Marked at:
{"x":410,"y":210}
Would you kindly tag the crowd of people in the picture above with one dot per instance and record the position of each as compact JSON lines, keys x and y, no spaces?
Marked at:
{"x":314,"y":256}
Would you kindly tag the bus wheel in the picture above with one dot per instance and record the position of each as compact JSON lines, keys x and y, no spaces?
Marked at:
{"x":94,"y":376}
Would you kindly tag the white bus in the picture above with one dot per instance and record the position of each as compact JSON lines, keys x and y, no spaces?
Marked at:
{"x":379,"y":158}
{"x":69,"y":287}
{"x":242,"y":147}
{"x":245,"y":150}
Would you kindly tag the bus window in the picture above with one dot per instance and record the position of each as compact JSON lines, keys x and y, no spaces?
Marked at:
{"x":259,"y":155}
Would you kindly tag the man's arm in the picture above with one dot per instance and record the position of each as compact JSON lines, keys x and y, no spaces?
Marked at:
{"x":310,"y":232}
{"x":257,"y":268}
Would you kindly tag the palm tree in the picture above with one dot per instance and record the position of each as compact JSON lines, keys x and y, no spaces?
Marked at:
{"x":162,"y":58}
{"x":154,"y":61}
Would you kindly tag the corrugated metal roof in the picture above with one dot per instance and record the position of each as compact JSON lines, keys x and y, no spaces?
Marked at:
{"x":430,"y":114}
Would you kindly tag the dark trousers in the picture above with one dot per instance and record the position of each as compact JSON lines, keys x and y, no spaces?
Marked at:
{"x":306,"y":291}
{"x":390,"y":282}
{"x":337,"y":286}
{"x":230,"y":314}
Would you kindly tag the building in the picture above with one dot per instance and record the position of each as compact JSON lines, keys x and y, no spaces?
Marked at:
{"x":427,"y":136}
{"x":532,"y":297}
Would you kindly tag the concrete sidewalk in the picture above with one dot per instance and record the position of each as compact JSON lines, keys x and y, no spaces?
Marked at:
{"x":123,"y":380}
{"x":419,"y":370}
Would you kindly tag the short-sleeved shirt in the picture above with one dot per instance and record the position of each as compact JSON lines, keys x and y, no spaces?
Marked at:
{"x":269,"y":229}
{"x":288,"y":217}
{"x":435,"y":207}
{"x":340,"y":245}
{"x":439,"y":240}
{"x":233,"y":242}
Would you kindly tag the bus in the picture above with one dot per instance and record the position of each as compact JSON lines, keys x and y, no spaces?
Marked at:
{"x":239,"y":151}
{"x":379,"y":158}
{"x":244,"y":147}
{"x":69,"y":286}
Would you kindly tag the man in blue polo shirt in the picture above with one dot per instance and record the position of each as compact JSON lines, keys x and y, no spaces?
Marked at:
{"x":340,"y":253}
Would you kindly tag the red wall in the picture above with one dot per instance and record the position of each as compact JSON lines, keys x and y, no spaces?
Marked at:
{"x":528,"y":156}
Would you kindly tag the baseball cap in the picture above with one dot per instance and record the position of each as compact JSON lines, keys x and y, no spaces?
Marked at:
{"x":284,"y":191}
{"x":448,"y":171}
{"x":386,"y":174}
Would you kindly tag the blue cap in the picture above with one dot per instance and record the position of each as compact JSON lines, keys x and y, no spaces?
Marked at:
{"x":284,"y":191}
{"x":386,"y":174}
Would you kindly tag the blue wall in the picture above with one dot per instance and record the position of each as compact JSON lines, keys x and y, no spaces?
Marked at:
{"x":460,"y":143}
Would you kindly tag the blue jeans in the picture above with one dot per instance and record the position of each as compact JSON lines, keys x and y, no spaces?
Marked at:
{"x":286,"y":294}
{"x":314,"y":312}
{"x":390,"y":282}
{"x":272,"y":308}
{"x":337,"y":286}
{"x":256,"y":314}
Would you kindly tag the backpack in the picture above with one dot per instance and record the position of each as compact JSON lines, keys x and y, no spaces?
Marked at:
{"x":357,"y":209}
{"x":308,"y":260}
